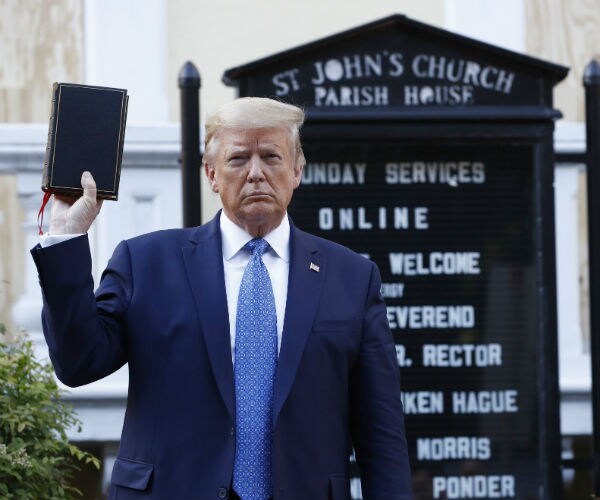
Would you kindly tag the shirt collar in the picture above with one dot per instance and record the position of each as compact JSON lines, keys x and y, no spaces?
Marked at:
{"x":234,"y":238}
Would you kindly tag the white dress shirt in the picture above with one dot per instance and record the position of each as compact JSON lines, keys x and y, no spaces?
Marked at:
{"x":235,"y":260}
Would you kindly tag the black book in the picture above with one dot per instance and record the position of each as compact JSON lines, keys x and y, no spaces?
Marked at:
{"x":86,"y":132}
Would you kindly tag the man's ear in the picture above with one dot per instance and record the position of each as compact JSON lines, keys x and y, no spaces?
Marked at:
{"x":209,"y":170}
{"x":298,"y":172}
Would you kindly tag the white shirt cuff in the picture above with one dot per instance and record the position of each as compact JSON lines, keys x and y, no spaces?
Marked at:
{"x":47,"y":240}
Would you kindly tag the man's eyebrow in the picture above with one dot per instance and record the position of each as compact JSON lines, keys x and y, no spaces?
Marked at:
{"x":236,"y":148}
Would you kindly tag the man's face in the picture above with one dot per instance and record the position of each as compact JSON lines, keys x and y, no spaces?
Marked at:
{"x":255,"y":174}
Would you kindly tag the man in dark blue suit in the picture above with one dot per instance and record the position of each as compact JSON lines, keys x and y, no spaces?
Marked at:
{"x":200,"y":315}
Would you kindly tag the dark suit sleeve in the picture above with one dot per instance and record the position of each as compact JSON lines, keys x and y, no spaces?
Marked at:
{"x":377,"y":421}
{"x":85,"y":334}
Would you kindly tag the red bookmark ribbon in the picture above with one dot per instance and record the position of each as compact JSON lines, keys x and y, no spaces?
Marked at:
{"x":40,"y":216}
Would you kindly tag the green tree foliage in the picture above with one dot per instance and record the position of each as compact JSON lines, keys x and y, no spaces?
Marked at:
{"x":36,"y":459}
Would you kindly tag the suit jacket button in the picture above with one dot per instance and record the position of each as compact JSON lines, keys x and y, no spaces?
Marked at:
{"x":222,"y":492}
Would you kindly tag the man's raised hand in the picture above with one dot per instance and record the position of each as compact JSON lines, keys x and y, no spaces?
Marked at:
{"x":75,"y":215}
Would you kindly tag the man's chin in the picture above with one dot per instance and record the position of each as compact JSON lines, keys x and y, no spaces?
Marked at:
{"x":258,"y":206}
{"x":258,"y":216}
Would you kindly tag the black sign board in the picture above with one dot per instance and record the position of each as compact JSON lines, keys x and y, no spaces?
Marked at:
{"x":451,"y":227}
{"x":431,"y":154}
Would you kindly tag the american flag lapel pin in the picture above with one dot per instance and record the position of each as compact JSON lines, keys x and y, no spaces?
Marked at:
{"x":314,"y":267}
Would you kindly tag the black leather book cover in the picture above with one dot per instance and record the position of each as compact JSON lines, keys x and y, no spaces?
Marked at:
{"x":86,"y":132}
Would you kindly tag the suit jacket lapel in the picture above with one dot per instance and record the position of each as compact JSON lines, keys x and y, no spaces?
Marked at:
{"x":304,"y":289}
{"x":204,"y":265}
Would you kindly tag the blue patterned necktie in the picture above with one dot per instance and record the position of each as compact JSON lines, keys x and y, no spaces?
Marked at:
{"x":255,"y":362}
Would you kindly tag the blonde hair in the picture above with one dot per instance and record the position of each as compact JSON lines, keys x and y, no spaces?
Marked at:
{"x":252,"y":113}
